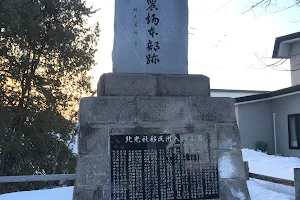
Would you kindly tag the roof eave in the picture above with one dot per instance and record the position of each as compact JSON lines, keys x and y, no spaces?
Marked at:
{"x":268,"y":95}
{"x":284,"y":42}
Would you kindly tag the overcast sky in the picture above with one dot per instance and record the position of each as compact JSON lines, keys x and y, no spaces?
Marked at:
{"x":222,"y":42}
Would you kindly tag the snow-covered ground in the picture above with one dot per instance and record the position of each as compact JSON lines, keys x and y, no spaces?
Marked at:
{"x":260,"y":163}
{"x":276,"y":166}
{"x":52,"y":194}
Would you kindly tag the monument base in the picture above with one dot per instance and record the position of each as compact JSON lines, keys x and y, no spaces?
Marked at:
{"x":123,"y":84}
{"x":158,"y":137}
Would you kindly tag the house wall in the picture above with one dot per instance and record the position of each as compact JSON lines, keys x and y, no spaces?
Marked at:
{"x":233,"y":94}
{"x":294,"y":55}
{"x":255,"y":121}
{"x":283,"y":107}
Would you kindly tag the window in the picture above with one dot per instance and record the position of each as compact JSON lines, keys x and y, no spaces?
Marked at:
{"x":294,"y":131}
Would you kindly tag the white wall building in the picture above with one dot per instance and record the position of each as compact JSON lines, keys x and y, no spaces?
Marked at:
{"x":288,"y":47}
{"x":274,"y":117}
{"x":233,"y":93}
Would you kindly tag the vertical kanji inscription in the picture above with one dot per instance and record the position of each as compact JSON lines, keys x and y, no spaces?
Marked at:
{"x":152,"y":21}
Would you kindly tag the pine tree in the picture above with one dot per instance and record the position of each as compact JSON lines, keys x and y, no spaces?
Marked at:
{"x":46,"y":51}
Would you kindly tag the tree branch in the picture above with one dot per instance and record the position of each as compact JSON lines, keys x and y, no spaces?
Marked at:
{"x":286,"y":8}
{"x":267,"y":3}
{"x":276,"y":65}
{"x":262,"y":2}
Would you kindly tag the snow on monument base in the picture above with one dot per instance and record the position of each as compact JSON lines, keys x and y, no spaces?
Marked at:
{"x":147,"y":137}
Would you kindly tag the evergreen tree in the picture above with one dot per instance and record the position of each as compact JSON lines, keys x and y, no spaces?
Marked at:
{"x":46,"y":50}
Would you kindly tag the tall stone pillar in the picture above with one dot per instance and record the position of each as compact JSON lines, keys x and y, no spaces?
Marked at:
{"x":151,"y":36}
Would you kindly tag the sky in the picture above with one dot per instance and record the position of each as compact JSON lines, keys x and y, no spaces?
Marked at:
{"x":224,"y":44}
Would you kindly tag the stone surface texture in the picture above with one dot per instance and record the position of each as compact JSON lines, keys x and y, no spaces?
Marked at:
{"x":134,"y":22}
{"x":110,"y":114}
{"x":120,"y":84}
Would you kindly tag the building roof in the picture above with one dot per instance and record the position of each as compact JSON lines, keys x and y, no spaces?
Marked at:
{"x":244,"y":91}
{"x":282,"y":45}
{"x":269,"y":95}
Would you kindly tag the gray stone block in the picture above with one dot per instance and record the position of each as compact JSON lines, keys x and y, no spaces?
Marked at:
{"x":154,"y":109}
{"x":133,"y":130}
{"x":120,"y":84}
{"x":87,"y":193}
{"x":93,"y":170}
{"x":101,"y":85}
{"x":213,"y":139}
{"x":231,"y":164}
{"x":213,"y":155}
{"x":93,"y":141}
{"x":234,"y":189}
{"x":228,"y":136}
{"x":184,"y":85}
{"x":127,"y":84}
{"x":158,"y":109}
{"x":107,"y":110}
{"x":220,"y":110}
{"x":193,"y":127}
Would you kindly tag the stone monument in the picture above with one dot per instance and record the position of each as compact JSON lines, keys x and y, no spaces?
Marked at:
{"x":151,"y":36}
{"x":153,"y":132}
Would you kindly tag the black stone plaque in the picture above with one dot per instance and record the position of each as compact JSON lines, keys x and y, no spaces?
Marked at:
{"x":162,"y":167}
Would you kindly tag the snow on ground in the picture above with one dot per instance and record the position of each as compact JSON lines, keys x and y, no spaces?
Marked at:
{"x":276,"y":166}
{"x":276,"y":187}
{"x":57,"y":194}
{"x":260,"y":163}
{"x":259,"y":192}
{"x":269,"y":165}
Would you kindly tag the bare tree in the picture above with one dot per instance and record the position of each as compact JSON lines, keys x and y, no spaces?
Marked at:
{"x":278,"y":65}
{"x":275,"y":5}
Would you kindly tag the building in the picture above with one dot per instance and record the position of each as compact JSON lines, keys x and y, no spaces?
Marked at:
{"x":233,"y":93}
{"x":288,"y":47}
{"x":274,"y":117}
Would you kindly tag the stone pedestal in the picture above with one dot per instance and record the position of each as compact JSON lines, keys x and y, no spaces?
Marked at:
{"x":169,"y":108}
